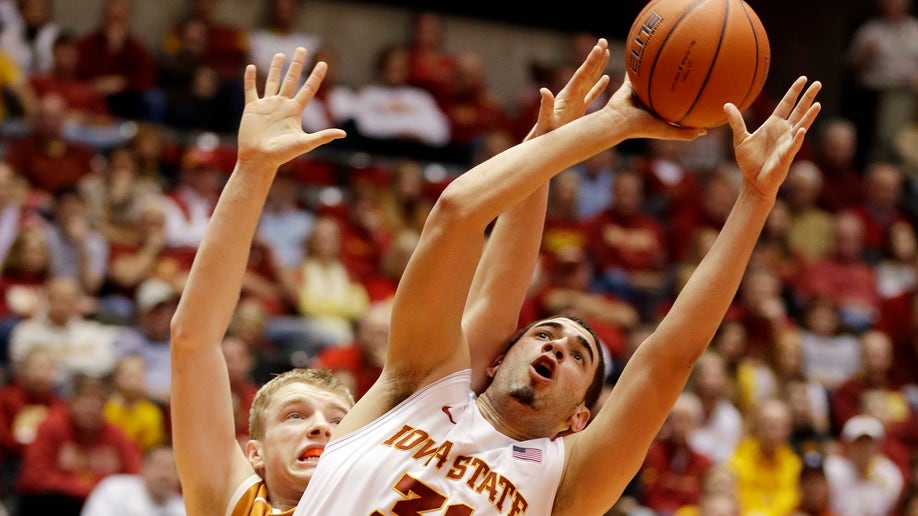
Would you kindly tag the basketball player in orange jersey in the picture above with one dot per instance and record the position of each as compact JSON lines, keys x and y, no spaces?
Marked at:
{"x":421,"y":442}
{"x":294,"y":414}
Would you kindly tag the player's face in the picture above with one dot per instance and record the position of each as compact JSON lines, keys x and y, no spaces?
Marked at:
{"x":298,"y":423}
{"x":551,"y":367}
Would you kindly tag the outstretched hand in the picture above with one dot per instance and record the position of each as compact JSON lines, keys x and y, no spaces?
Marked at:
{"x":271,"y":130}
{"x":766,"y":155}
{"x":584,"y":87}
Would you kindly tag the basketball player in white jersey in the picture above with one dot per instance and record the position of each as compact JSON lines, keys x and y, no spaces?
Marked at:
{"x":421,"y":442}
{"x":294,"y":414}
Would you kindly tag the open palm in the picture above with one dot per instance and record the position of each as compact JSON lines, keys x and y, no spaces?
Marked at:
{"x":271,"y":131}
{"x":765,"y":155}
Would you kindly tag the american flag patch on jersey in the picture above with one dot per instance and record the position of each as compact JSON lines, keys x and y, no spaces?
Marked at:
{"x":530,"y":454}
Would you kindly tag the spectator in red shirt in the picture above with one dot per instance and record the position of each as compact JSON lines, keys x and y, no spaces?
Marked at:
{"x":118,"y":64}
{"x":43,"y":157}
{"x":431,"y":67}
{"x":880,"y":208}
{"x":899,"y":320}
{"x":876,"y":357}
{"x":73,"y":450}
{"x":471,"y":107}
{"x":24,"y":404}
{"x":84,"y":102}
{"x":359,"y":364}
{"x":845,"y":276}
{"x":628,"y":246}
{"x":673,"y":473}
{"x":836,"y":154}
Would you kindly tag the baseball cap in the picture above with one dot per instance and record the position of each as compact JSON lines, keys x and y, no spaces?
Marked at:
{"x":153,"y":292}
{"x":862,"y":425}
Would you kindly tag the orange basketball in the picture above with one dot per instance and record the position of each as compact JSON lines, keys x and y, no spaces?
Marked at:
{"x":687,"y":58}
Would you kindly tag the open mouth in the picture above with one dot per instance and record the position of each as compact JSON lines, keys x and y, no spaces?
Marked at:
{"x":311,"y":454}
{"x":544,"y":367}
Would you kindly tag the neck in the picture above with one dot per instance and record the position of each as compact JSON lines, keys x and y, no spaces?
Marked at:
{"x":509,"y":418}
{"x":282,"y":502}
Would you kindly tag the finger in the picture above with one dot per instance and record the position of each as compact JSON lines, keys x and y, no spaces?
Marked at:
{"x":737,"y":124}
{"x":248,"y":80}
{"x":806,"y":101}
{"x":292,"y":79}
{"x":274,"y":71}
{"x":546,"y":105}
{"x":809,"y":116}
{"x":311,"y":86}
{"x":597,"y":90}
{"x":590,"y":68}
{"x":326,"y":135}
{"x":596,"y":60}
{"x":310,"y":141}
{"x":790,"y":98}
{"x":796,"y":144}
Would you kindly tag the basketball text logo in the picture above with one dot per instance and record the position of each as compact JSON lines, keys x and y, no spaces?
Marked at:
{"x":473,"y":472}
{"x":640,"y":41}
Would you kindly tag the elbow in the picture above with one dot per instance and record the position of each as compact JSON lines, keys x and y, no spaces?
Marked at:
{"x":180,"y":333}
{"x":451,"y":209}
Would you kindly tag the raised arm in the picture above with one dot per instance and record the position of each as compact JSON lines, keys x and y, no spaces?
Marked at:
{"x":504,"y":273}
{"x":209,"y":460}
{"x":605,"y":456}
{"x":426,"y":341}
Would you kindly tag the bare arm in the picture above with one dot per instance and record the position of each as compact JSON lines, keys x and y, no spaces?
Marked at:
{"x":602,"y":459}
{"x":426,"y":341}
{"x":210,"y":462}
{"x":506,"y":267}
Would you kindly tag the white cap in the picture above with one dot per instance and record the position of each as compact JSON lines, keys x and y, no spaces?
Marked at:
{"x":862,"y":425}
{"x":153,"y":292}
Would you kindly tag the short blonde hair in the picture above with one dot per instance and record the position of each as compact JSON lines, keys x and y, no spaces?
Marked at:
{"x":321,"y":378}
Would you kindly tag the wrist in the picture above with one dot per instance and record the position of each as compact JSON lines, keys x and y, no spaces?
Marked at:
{"x":752,"y":196}
{"x":255,"y":165}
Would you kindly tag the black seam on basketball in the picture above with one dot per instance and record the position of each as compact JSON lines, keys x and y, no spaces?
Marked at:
{"x":704,"y":83}
{"x":660,"y":52}
{"x":755,"y":71}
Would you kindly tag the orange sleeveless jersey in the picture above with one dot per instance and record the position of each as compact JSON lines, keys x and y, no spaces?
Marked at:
{"x":251,"y":499}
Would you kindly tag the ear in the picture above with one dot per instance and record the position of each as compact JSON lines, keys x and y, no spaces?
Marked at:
{"x":491,"y":370}
{"x":254,"y":455}
{"x":579,"y":419}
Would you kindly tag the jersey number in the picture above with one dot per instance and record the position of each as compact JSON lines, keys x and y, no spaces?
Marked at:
{"x":424,"y":500}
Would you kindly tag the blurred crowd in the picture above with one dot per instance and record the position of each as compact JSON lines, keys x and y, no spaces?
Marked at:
{"x":112,"y":155}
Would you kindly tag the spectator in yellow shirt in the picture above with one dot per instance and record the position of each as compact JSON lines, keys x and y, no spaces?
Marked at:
{"x":17,"y":97}
{"x":766,"y":467}
{"x":131,"y":409}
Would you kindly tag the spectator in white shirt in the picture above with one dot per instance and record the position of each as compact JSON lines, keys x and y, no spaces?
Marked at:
{"x":863,"y":481}
{"x":154,"y":492}
{"x":392,"y":109}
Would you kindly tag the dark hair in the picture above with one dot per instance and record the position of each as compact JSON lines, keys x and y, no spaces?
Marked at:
{"x":599,"y":376}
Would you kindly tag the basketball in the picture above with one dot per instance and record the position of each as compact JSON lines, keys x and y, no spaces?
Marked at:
{"x":687,"y":58}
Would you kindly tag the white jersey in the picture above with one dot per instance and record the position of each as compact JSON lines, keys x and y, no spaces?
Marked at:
{"x":434,"y":454}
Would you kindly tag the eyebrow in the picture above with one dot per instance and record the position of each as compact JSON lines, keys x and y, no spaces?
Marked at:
{"x":583,"y":342}
{"x":312,"y":403}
